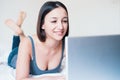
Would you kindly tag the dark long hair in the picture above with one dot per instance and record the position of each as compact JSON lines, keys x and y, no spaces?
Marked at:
{"x":45,"y":9}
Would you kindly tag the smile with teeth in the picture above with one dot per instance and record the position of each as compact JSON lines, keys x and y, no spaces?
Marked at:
{"x":59,"y":33}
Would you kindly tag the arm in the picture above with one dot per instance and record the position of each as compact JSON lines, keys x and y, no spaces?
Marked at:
{"x":23,"y":62}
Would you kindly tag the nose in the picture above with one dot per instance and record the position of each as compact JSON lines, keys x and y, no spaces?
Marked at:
{"x":60,"y":25}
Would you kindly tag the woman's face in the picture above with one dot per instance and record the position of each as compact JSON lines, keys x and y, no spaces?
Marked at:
{"x":56,"y":24}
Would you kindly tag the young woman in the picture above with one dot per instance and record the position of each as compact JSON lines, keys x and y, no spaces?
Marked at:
{"x":42,"y":53}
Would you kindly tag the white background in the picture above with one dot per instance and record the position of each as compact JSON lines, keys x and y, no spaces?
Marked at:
{"x":87,"y":17}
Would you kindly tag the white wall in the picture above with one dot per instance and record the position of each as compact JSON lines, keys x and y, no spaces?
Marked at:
{"x":11,"y":8}
{"x":94,"y":17}
{"x":87,"y":17}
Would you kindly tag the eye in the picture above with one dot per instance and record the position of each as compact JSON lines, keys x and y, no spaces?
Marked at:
{"x":53,"y":21}
{"x":65,"y":21}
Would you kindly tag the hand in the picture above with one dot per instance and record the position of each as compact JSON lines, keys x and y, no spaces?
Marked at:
{"x":62,"y":77}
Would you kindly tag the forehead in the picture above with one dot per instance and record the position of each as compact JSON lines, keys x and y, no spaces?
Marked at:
{"x":57,"y":12}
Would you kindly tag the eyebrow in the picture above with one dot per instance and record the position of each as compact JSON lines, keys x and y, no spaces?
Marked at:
{"x":56,"y":17}
{"x":66,"y":17}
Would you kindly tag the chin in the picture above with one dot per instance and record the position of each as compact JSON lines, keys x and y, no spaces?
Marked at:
{"x":59,"y":38}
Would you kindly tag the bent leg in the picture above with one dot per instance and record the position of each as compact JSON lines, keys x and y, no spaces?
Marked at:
{"x":16,"y":41}
{"x":13,"y":26}
{"x":12,"y":58}
{"x":16,"y":27}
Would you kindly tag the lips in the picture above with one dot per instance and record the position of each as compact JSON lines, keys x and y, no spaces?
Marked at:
{"x":60,"y":33}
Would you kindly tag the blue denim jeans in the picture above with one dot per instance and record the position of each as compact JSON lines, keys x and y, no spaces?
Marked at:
{"x":12,"y":58}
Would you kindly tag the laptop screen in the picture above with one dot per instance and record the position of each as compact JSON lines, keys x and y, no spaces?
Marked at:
{"x":93,"y":58}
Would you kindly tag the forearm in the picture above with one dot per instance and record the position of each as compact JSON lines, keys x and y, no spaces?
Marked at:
{"x":60,"y":77}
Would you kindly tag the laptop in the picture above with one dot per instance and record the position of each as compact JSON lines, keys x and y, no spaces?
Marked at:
{"x":93,"y":58}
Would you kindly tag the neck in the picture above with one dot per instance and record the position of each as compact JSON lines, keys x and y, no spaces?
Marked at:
{"x":52,"y":44}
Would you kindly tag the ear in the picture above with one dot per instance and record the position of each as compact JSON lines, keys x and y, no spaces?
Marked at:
{"x":43,"y":26}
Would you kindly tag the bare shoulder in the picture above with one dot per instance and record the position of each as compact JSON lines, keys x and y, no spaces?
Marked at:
{"x":25,"y":44}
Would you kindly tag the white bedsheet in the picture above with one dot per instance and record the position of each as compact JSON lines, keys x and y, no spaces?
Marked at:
{"x":6,"y":73}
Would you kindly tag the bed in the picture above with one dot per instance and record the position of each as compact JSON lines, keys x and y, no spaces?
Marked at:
{"x":8,"y":73}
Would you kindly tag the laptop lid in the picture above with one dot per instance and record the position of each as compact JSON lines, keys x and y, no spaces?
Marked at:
{"x":93,"y":58}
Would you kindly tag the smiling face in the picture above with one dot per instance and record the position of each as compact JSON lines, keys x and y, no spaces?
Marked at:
{"x":56,"y":24}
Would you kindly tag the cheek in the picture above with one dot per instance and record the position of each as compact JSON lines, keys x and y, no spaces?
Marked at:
{"x":65,"y":30}
{"x":49,"y":25}
{"x":65,"y":27}
{"x":46,"y":26}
